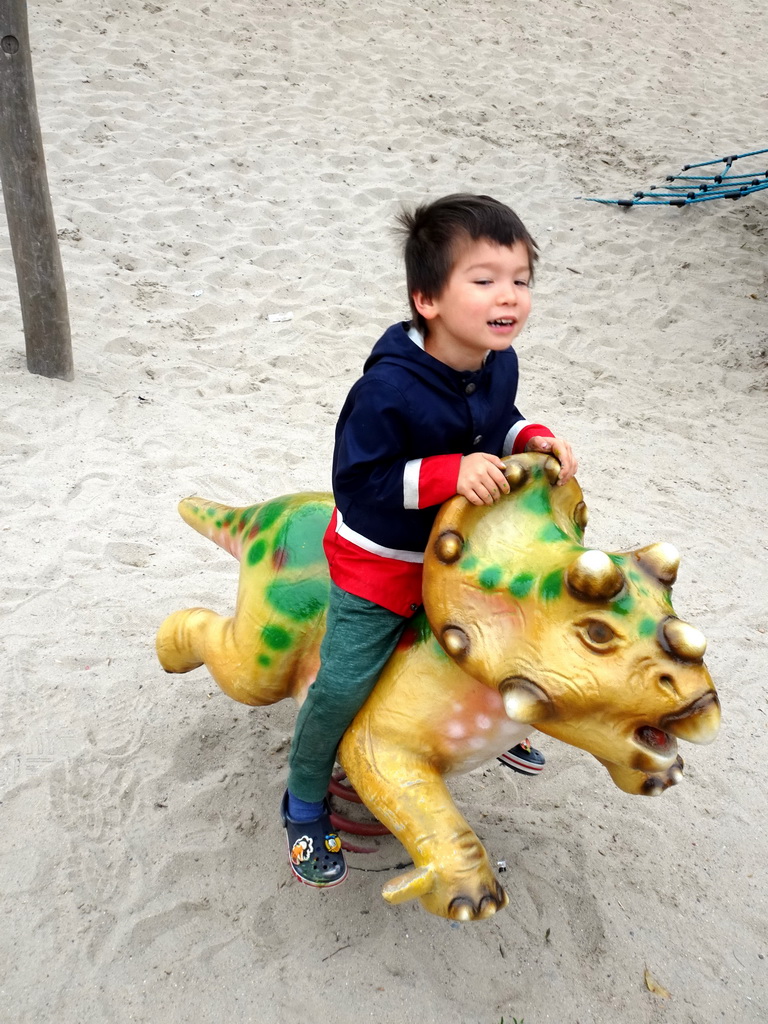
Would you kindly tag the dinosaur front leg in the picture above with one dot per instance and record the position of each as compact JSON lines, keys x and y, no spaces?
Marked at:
{"x":452,"y":874}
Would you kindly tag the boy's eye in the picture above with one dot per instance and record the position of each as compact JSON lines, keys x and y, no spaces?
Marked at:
{"x":483,"y":280}
{"x":523,"y":284}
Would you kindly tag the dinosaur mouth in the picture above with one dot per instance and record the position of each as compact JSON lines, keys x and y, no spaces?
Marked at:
{"x":656,"y":740}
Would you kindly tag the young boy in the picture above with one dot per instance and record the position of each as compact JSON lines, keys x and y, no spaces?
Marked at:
{"x":429,"y":418}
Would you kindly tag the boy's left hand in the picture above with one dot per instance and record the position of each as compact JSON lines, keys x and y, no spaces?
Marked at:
{"x":561,"y":450}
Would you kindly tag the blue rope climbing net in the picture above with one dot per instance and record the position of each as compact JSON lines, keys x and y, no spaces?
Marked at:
{"x":698,"y":188}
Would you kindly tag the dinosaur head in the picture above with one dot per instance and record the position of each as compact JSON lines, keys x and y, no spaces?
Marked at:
{"x":583,"y":644}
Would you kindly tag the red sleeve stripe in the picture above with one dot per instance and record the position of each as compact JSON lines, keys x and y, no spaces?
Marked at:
{"x":430,"y":481}
{"x":438,"y":479}
{"x":521,"y":433}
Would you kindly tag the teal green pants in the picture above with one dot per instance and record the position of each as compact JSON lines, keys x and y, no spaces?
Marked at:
{"x":359,"y":639}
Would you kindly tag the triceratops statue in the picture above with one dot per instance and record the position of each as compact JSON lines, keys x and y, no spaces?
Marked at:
{"x":522,"y":626}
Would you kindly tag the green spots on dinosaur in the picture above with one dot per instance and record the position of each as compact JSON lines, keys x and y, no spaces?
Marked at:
{"x":256,"y":552}
{"x":551,"y":586}
{"x":417,"y":631}
{"x":264,"y":660}
{"x":270,"y":513}
{"x":230,"y":522}
{"x":299,"y":600}
{"x":276,"y":638}
{"x":639,"y":580}
{"x":301,"y":537}
{"x":292,"y":536}
{"x":468,"y":563}
{"x":537,"y":500}
{"x":624,"y":605}
{"x":422,"y":627}
{"x":647,"y":627}
{"x":552,"y":533}
{"x":490,"y":578}
{"x":522,"y":584}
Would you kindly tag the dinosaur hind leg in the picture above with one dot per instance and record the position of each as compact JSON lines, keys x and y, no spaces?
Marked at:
{"x":189,"y":639}
{"x":184,"y":636}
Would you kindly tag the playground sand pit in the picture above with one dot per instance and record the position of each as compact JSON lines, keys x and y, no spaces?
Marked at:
{"x":225,"y":179}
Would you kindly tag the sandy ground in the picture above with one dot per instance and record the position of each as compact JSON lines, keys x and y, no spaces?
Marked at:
{"x":214,"y":163}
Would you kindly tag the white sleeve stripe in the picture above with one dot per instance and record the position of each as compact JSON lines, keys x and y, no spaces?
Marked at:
{"x":371,"y":546}
{"x":411,"y":475}
{"x":509,"y":440}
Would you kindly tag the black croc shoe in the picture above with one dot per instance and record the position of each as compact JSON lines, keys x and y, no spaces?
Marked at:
{"x":314,"y":849}
{"x":524,"y":759}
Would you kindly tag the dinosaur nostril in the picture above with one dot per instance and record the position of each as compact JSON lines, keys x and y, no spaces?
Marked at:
{"x":667,"y":681}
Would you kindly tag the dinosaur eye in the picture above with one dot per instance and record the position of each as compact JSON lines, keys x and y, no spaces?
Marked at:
{"x":597,"y":635}
{"x":600,"y":632}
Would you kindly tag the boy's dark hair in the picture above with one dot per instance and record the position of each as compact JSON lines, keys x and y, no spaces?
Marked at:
{"x":433,"y":232}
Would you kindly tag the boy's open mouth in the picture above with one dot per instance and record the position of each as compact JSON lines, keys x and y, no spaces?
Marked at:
{"x":505,"y":322}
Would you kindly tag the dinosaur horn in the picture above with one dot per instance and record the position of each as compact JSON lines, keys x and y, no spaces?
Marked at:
{"x":681,"y":640}
{"x":660,"y":560}
{"x":525,"y":701}
{"x":698,"y":723}
{"x":449,"y":546}
{"x":594,"y":576}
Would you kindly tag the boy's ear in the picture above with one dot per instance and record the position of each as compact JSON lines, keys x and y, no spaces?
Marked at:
{"x":425,"y":305}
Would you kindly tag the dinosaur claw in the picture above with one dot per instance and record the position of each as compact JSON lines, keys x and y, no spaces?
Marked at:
{"x":464,"y":908}
{"x":411,"y":885}
{"x":461,"y":910}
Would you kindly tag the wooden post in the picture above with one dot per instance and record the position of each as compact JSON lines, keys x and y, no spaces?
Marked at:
{"x":31,"y":226}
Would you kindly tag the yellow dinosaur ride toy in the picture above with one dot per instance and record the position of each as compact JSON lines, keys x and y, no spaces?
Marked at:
{"x":522,"y":626}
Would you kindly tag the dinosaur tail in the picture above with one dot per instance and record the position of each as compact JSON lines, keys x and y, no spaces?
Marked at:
{"x":228,"y":527}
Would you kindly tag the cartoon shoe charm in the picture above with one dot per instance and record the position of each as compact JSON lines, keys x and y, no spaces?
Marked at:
{"x":314,"y":849}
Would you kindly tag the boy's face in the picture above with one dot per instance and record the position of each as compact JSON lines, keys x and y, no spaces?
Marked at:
{"x":484,"y":305}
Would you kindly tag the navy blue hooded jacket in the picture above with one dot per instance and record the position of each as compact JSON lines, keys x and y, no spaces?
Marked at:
{"x":400,"y":438}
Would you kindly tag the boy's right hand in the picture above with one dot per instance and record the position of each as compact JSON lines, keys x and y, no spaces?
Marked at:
{"x":481,"y":478}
